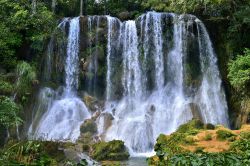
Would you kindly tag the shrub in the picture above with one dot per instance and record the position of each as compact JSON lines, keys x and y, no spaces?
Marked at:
{"x":224,"y":134}
{"x":191,"y":127}
{"x":6,"y":88}
{"x":245,"y":135}
{"x":241,"y":145}
{"x":9,"y":112}
{"x":239,"y":71}
{"x":208,"y":137}
{"x":25,"y":76}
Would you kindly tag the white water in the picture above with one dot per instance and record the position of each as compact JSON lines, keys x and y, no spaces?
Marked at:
{"x":140,"y":117}
{"x":64,"y":116}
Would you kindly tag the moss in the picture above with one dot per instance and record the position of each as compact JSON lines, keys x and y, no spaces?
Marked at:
{"x":224,"y":135}
{"x":88,"y":126}
{"x":191,"y":127}
{"x":113,"y":150}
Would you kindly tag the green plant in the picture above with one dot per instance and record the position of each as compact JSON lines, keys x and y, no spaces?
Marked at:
{"x":239,"y":71}
{"x":5,"y":87}
{"x":208,"y":137}
{"x":9,"y":112}
{"x":245,"y":135}
{"x":241,"y":145}
{"x":25,"y":75}
{"x":224,"y":134}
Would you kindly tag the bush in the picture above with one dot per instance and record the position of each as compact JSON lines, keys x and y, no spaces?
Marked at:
{"x":239,"y":71}
{"x":32,"y":153}
{"x":224,"y":135}
{"x":6,"y":88}
{"x":191,"y":127}
{"x":26,"y":74}
{"x":240,"y":146}
{"x":9,"y":112}
{"x":208,"y":137}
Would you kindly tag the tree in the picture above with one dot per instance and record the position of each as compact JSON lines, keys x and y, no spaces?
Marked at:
{"x":8,"y":112}
{"x":239,"y":71}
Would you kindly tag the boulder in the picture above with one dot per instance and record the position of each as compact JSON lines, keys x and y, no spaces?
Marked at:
{"x":114,"y":150}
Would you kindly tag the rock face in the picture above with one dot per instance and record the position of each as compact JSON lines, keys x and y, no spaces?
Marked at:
{"x":114,"y":150}
{"x":244,"y":115}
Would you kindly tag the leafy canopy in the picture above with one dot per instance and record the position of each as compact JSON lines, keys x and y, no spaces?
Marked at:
{"x":8,"y":112}
{"x":239,"y":71}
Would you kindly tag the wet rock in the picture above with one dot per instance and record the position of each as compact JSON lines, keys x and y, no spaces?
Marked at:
{"x":92,"y":103}
{"x":124,"y":15}
{"x":195,"y":111}
{"x":89,"y":125}
{"x":105,"y":119}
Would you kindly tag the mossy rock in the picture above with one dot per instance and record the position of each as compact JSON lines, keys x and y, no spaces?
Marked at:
{"x":113,"y":150}
{"x":191,"y":127}
{"x":209,"y":126}
{"x":88,"y":126}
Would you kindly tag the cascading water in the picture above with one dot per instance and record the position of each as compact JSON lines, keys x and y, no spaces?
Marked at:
{"x":155,"y":98}
{"x":161,"y":72}
{"x":93,"y":22}
{"x":66,"y":113}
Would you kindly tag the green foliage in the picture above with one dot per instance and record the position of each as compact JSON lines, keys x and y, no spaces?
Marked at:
{"x":9,"y":112}
{"x":238,"y":31}
{"x":240,"y":146}
{"x":245,"y":135}
{"x":239,"y":71}
{"x":5,"y":87}
{"x":29,"y":153}
{"x":20,"y":25}
{"x":191,"y":127}
{"x":25,"y":76}
{"x":208,"y":137}
{"x":223,"y":159}
{"x":113,"y":150}
{"x":207,"y":7}
{"x":224,"y":135}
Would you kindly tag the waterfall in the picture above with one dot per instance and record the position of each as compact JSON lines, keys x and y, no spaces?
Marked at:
{"x":211,"y":97}
{"x":93,"y":27}
{"x":161,"y":71}
{"x":66,"y":112}
{"x":111,"y":23}
{"x":72,"y":60}
{"x":131,"y":67}
{"x":143,"y":112}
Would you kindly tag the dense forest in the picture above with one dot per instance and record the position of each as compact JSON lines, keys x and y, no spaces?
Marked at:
{"x":26,"y":29}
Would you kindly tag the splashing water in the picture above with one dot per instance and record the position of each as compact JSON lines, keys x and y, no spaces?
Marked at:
{"x":63,"y":119}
